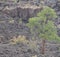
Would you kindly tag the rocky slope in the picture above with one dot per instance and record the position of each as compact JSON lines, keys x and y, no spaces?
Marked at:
{"x":13,"y":18}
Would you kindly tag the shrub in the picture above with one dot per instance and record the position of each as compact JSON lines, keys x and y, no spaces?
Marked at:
{"x":19,"y":39}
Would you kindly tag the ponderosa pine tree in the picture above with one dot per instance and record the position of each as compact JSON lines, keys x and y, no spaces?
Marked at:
{"x":43,"y":25}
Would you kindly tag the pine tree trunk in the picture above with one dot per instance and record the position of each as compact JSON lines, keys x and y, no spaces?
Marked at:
{"x":43,"y":46}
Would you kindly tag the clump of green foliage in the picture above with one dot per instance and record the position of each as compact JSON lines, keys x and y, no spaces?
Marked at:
{"x":43,"y":24}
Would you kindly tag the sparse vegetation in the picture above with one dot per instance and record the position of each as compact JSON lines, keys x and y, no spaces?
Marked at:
{"x":34,"y":56}
{"x":19,"y":39}
{"x":11,"y":21}
{"x":20,"y":21}
{"x":22,"y":39}
{"x":39,"y":38}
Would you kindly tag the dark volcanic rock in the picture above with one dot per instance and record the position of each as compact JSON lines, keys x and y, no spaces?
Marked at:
{"x":12,"y":51}
{"x":22,"y":12}
{"x":8,"y":30}
{"x":8,"y":50}
{"x":11,"y":13}
{"x":15,"y":13}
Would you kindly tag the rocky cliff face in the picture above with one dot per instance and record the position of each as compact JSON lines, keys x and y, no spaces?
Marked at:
{"x":22,"y":12}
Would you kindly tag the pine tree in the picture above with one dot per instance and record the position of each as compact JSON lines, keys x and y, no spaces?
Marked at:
{"x":43,"y":25}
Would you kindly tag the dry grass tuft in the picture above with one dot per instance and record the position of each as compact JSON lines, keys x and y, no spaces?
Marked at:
{"x":19,"y":39}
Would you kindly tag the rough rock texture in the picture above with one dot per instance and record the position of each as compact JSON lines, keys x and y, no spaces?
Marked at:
{"x":22,"y":12}
{"x":7,"y":50}
{"x":11,"y":14}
